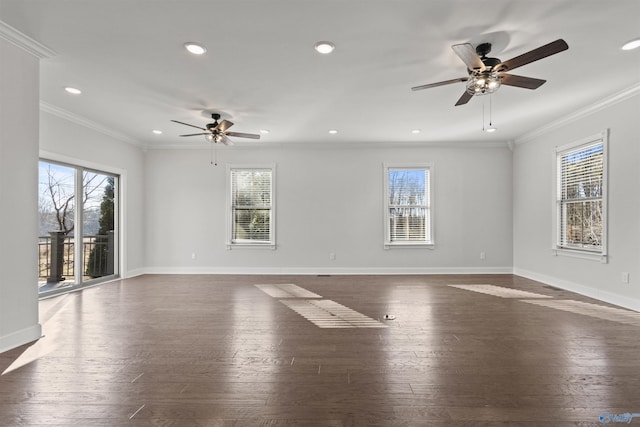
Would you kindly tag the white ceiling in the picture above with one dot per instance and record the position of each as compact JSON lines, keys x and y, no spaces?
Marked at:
{"x":262,"y":72}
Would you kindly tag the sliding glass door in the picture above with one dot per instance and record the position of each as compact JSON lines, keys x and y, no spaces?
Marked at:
{"x":78,"y":227}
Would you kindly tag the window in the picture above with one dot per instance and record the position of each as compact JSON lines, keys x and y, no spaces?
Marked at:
{"x":251,"y":207}
{"x":581,"y":195}
{"x":408,"y":206}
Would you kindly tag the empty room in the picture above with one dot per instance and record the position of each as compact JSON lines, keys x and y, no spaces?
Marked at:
{"x":319,"y":213}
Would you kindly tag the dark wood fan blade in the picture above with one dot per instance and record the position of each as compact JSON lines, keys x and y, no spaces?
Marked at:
{"x":187,"y":124}
{"x":466,"y":96}
{"x":533,"y":55}
{"x":195,"y":134}
{"x":520,"y":81}
{"x":243,"y":135}
{"x":446,"y":82}
{"x":224,"y":125}
{"x":468,"y":54}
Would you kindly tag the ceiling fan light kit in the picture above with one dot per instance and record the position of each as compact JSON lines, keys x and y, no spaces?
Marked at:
{"x":483,"y":83}
{"x":213,"y":138}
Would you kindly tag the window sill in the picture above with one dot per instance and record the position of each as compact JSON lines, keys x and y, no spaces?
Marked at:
{"x":271,"y":246}
{"x":574,"y":253}
{"x":411,"y":245}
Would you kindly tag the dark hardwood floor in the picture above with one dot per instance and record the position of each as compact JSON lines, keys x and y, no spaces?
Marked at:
{"x":220,"y":351}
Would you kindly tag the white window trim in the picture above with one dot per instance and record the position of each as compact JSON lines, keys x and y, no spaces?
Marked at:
{"x":385,"y":177}
{"x":230,"y":244}
{"x":557,"y":250}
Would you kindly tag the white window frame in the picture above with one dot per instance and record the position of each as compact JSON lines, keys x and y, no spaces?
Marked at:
{"x":577,"y":252}
{"x":230,"y":241}
{"x":429,"y":241}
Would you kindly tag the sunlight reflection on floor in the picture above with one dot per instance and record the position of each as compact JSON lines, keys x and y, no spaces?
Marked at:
{"x":592,"y":310}
{"x":499,"y":291}
{"x":50,"y":332}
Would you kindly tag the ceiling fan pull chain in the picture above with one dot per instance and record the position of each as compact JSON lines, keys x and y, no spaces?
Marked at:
{"x":483,"y":102}
{"x":490,"y":121}
{"x":214,"y":155}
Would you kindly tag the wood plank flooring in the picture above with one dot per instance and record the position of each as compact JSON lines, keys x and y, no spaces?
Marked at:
{"x":208,"y":350}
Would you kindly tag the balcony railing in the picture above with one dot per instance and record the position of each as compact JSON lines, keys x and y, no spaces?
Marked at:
{"x":56,"y":257}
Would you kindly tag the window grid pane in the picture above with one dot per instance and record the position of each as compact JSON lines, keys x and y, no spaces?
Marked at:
{"x":407,"y":224}
{"x":251,"y":225}
{"x":582,"y":227}
{"x":582,"y":173}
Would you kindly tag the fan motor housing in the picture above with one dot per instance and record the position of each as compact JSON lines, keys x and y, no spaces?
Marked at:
{"x":483,"y":50}
{"x":490,"y":62}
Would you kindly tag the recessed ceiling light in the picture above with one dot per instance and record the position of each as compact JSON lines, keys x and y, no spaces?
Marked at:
{"x":195,"y":48}
{"x":73,"y":90}
{"x":264,"y":131}
{"x":415,"y":131}
{"x":157,"y":132}
{"x":333,"y":131}
{"x":631,"y":44}
{"x":324,"y":47}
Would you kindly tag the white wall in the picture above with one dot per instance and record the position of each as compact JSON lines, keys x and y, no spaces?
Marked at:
{"x":19,"y":87}
{"x":534,"y":169}
{"x":329,"y":200}
{"x":66,"y":141}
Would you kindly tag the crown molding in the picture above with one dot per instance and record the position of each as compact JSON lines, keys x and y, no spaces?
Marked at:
{"x":82,"y":121}
{"x":607,"y":102}
{"x":341,"y":145}
{"x":26,"y":43}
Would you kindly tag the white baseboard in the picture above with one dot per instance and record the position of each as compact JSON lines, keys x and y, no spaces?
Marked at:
{"x":133,"y":273}
{"x":18,"y":338}
{"x":327,"y":270}
{"x":598,"y":294}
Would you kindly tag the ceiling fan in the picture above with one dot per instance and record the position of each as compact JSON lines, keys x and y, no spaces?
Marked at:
{"x":487,"y":74}
{"x":217,"y":132}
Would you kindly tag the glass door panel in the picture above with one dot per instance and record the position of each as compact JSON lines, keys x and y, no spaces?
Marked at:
{"x":56,"y":209}
{"x":98,"y":225}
